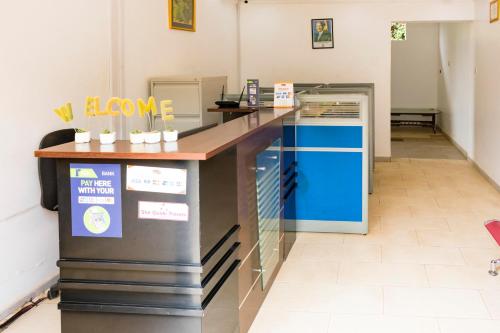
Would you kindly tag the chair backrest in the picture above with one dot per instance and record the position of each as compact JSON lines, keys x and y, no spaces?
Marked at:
{"x":47,"y":168}
{"x":493,"y":227}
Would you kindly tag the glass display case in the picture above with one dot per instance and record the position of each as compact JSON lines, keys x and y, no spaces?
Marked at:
{"x":268,"y":175}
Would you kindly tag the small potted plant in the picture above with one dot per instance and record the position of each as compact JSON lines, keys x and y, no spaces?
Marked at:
{"x":107,"y":137}
{"x":152,"y":137}
{"x":136,"y":137}
{"x":82,"y":135}
{"x":169,"y":134}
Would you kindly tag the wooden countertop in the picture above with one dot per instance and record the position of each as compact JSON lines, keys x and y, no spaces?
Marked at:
{"x":200,"y":146}
{"x":238,"y":110}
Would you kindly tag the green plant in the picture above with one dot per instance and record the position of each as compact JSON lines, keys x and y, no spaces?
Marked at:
{"x":106,"y":131}
{"x":136,"y":132}
{"x":169,"y":129}
{"x":80,"y":130}
{"x":398,"y":31}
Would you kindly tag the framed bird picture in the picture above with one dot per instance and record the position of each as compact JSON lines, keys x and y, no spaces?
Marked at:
{"x":182,"y":14}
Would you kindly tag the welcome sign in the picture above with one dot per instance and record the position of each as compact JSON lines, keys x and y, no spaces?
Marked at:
{"x":96,"y":207}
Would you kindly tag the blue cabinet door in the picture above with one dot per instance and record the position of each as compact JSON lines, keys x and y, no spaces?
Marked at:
{"x":330,"y":186}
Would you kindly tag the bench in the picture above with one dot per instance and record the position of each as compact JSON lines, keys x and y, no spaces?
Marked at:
{"x":432,"y":113}
{"x":493,"y":228}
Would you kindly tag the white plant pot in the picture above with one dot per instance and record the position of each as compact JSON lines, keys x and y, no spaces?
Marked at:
{"x":107,"y":139}
{"x":170,"y":136}
{"x":83,"y":137}
{"x":136,"y":138}
{"x":171,"y":147}
{"x":152,"y":137}
{"x":153,"y":148}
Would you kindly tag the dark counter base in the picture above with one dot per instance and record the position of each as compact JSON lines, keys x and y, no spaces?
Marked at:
{"x":200,"y":276}
{"x":161,"y":276}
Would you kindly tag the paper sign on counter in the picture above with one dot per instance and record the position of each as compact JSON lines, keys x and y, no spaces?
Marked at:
{"x":157,"y":180}
{"x":166,"y":211}
{"x":284,"y":96}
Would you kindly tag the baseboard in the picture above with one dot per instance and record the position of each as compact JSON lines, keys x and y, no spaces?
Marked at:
{"x":456,"y":144}
{"x":6,"y":314}
{"x":485,"y":175}
{"x":383,"y":159}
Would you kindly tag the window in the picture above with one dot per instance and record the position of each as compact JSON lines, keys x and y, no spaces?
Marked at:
{"x":398,"y":31}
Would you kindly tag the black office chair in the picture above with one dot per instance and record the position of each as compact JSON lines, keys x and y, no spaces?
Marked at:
{"x":47,"y":175}
{"x":47,"y":168}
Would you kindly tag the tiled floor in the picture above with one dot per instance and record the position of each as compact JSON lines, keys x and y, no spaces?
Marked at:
{"x":421,"y":142}
{"x":421,"y":269}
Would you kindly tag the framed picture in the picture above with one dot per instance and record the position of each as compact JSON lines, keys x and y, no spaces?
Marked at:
{"x":322,"y":33}
{"x":494,"y":11}
{"x":182,"y":14}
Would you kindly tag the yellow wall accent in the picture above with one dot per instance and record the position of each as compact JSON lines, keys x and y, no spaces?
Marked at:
{"x":65,"y":112}
{"x":127,"y":107}
{"x":146,"y":108}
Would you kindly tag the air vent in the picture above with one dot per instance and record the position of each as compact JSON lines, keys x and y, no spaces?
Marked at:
{"x":345,"y":110}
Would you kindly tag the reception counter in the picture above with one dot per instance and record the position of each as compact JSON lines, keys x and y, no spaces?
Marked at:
{"x":178,"y":237}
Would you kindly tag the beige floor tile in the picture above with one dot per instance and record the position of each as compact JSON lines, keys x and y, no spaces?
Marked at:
{"x":472,"y":223}
{"x":395,"y":201}
{"x":310,"y":297}
{"x":392,"y":212}
{"x":461,"y":277}
{"x":398,"y":254}
{"x":300,"y":271}
{"x":434,"y":302}
{"x":492,"y":300}
{"x":44,"y":318}
{"x":325,"y":298}
{"x":360,"y":274}
{"x":416,"y":192}
{"x":461,"y":238}
{"x":382,"y":324}
{"x":278,"y":321}
{"x":468,"y":326}
{"x":356,"y":300}
{"x":480,"y":257}
{"x":423,"y":212}
{"x":319,"y":237}
{"x":352,"y":252}
{"x":402,"y":237}
{"x":374,"y":224}
{"x":413,"y":223}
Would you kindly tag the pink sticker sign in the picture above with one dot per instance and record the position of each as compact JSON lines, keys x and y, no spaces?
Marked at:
{"x":165,"y":211}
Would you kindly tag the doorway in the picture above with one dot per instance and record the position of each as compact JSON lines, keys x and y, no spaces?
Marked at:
{"x":432,"y":90}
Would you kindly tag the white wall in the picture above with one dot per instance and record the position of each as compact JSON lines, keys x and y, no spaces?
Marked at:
{"x":456,"y":83}
{"x":61,"y":51}
{"x":487,"y":100}
{"x":276,"y":44}
{"x":150,"y":49}
{"x":52,"y":52}
{"x":415,"y":67}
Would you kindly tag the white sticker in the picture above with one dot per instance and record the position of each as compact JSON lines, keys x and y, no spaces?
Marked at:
{"x":157,"y":180}
{"x":165,"y":211}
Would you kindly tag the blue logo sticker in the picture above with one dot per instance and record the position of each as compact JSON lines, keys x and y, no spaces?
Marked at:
{"x":96,"y":206}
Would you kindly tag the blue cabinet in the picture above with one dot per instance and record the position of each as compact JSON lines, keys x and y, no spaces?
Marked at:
{"x":330,"y":186}
{"x":332,"y":178}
